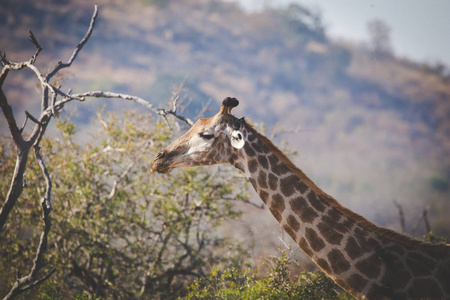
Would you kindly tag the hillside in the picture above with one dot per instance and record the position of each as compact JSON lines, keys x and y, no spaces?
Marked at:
{"x":368,"y":129}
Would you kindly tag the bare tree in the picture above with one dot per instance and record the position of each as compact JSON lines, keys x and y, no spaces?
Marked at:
{"x":380,"y":39}
{"x":53,"y":99}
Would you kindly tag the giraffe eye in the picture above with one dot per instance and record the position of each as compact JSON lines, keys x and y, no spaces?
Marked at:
{"x":206,"y":136}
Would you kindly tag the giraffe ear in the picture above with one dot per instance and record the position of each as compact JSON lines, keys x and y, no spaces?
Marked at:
{"x":237,"y":139}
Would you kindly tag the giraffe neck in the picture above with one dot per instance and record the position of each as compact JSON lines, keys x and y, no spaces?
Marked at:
{"x":366,"y":260}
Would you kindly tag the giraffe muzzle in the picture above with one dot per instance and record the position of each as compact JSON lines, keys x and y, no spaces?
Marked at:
{"x":160,"y":164}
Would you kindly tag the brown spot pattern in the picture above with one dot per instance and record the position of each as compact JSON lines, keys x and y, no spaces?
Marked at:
{"x":264,"y":196}
{"x":400,"y":250}
{"x":381,"y":292}
{"x":266,"y":149}
{"x":324,"y":265}
{"x":305,"y":247}
{"x":353,"y":249}
{"x":249,"y":151}
{"x":330,"y":234}
{"x":425,"y":289}
{"x":253,"y":165}
{"x":315,"y":201}
{"x":253,"y":182}
{"x":278,"y":169}
{"x":443,"y":273}
{"x":273,"y":182}
{"x":357,"y":282}
{"x":335,"y":215}
{"x":373,"y":244}
{"x":293,"y":223}
{"x":257,"y":147}
{"x":341,"y":283}
{"x":262,"y":180}
{"x":338,"y":262}
{"x":342,"y":228}
{"x":287,"y":185}
{"x":396,"y":275}
{"x":277,"y":202}
{"x":239,"y":166}
{"x":419,"y":265}
{"x":370,"y":266}
{"x":273,"y":159}
{"x":303,"y":210}
{"x":276,"y":214}
{"x":290,"y":231}
{"x":300,"y":185}
{"x":360,"y":232}
{"x":314,"y":240}
{"x":263,"y":161}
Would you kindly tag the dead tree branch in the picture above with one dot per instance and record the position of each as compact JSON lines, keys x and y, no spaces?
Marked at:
{"x":401,"y":215}
{"x":425,"y":220}
{"x":53,"y":100}
{"x":60,"y":65}
{"x":101,"y":94}
{"x":30,"y":281}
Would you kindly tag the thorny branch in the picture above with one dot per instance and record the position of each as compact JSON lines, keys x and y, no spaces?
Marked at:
{"x":24,"y":144}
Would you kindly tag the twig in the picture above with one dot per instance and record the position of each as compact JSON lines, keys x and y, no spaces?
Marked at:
{"x":116,"y":182}
{"x":401,"y":215}
{"x":60,"y":65}
{"x":425,"y":220}
{"x":7,"y":111}
{"x":30,"y":116}
{"x":48,"y":182}
{"x":416,"y":225}
{"x":38,"y":48}
{"x":101,"y":94}
{"x":174,"y":101}
{"x":29,"y":281}
{"x":8,"y":65}
{"x":205,"y":107}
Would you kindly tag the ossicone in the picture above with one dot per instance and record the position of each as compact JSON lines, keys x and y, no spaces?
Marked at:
{"x":228,"y":104}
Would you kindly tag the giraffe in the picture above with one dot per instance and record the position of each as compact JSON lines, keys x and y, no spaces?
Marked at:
{"x":368,"y":261}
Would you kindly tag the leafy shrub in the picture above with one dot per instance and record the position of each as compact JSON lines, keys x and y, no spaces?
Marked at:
{"x":243,"y":283}
{"x":430,"y":237}
{"x":118,"y":231}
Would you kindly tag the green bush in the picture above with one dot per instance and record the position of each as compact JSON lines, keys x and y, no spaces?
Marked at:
{"x":430,"y":237}
{"x":118,"y":230}
{"x":243,"y":283}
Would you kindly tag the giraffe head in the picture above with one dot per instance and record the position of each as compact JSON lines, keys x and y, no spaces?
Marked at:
{"x":209,"y":141}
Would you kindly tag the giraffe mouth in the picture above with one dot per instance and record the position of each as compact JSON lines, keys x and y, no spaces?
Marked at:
{"x":161,"y":167}
{"x":165,"y":162}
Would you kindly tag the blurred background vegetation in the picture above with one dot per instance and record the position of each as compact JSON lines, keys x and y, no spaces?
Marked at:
{"x":368,"y":127}
{"x":118,"y":231}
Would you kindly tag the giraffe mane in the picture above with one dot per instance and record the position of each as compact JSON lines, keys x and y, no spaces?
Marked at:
{"x":385,"y":232}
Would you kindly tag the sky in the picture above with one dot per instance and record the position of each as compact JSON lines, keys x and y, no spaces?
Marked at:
{"x":420,"y":29}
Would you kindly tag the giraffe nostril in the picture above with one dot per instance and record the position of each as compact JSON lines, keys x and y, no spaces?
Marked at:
{"x":161,"y":154}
